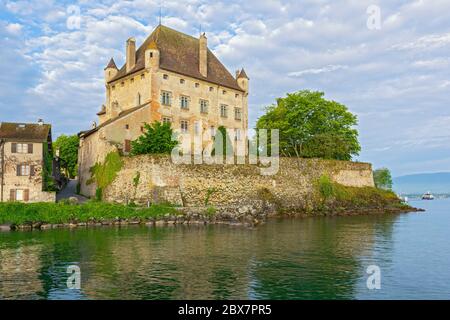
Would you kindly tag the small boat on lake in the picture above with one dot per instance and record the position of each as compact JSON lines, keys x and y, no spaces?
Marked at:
{"x":428,"y":196}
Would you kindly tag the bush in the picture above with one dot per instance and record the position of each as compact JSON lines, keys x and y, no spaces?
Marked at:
{"x":157,"y":139}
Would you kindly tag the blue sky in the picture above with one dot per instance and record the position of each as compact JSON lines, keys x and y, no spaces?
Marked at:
{"x":395,"y":78}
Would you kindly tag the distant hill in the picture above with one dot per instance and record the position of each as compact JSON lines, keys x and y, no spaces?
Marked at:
{"x":421,"y":183}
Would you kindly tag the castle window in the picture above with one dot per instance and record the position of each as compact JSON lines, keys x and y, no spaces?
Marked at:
{"x":142,"y":129}
{"x":132,"y":80}
{"x":224,"y":92}
{"x":237,"y":113}
{"x":236,"y":95}
{"x":166,"y":98}
{"x":211,"y":89}
{"x":184,"y":125}
{"x":182,"y":81}
{"x":197,"y":84}
{"x":166,"y":120}
{"x":165,"y":77}
{"x":113,"y":87}
{"x":224,"y":111}
{"x":127,"y":126}
{"x":204,"y":106}
{"x":184,"y":102}
{"x":151,"y":54}
{"x":143,"y":76}
{"x":122,"y":84}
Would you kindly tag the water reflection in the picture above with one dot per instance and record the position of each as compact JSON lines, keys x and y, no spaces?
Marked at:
{"x":318,"y":258}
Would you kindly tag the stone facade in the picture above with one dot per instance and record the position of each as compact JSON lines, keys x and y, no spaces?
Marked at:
{"x":229,"y":185}
{"x":21,"y":168}
{"x":172,"y":78}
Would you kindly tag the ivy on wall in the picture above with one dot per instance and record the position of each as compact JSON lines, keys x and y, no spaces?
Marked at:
{"x":103,"y":174}
{"x":47,"y":171}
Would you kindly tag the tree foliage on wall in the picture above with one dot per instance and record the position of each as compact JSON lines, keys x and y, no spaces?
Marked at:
{"x":312,"y":127}
{"x":157,"y":139}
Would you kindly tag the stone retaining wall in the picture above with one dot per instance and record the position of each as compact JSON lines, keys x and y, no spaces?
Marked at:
{"x":229,"y":185}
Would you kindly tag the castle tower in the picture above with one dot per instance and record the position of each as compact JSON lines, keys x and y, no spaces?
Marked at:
{"x":242,"y":80}
{"x":110,"y":70}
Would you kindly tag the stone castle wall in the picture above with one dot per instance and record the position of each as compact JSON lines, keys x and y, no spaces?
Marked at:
{"x":190,"y":185}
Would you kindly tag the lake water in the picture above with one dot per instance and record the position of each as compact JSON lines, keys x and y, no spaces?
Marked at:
{"x":314,"y":258}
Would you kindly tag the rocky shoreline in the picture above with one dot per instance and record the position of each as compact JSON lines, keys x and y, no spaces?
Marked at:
{"x":244,"y":216}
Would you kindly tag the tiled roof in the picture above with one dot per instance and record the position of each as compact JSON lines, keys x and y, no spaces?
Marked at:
{"x":120,"y":116}
{"x":179,"y":53}
{"x":30,"y":132}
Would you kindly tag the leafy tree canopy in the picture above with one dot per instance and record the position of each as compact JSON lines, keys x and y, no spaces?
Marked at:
{"x":157,"y":139}
{"x":383,"y":179}
{"x":312,"y":127}
{"x":68,"y":152}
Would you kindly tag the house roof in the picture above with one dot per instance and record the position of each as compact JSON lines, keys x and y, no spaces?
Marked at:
{"x":107,"y":122}
{"x":179,"y":53}
{"x":28,"y":132}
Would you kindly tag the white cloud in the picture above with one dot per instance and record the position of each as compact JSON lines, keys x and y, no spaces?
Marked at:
{"x":14,"y":28}
{"x":326,"y":69}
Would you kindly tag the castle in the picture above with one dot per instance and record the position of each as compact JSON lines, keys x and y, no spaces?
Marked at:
{"x":172,"y":78}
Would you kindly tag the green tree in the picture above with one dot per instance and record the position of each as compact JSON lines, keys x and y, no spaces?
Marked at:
{"x":157,"y":139}
{"x":68,"y":152}
{"x":312,"y":127}
{"x":383,"y":179}
{"x":224,"y":143}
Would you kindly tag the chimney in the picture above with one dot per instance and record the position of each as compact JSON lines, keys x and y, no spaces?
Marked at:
{"x":40,"y":122}
{"x":203,"y":58}
{"x":131,"y":54}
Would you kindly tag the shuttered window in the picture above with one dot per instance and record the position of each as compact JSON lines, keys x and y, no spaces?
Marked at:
{"x":21,"y":148}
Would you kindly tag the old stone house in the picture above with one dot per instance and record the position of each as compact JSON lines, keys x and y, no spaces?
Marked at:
{"x":172,"y":77}
{"x":24,"y":148}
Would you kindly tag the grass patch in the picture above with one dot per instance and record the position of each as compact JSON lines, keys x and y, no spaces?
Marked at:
{"x":54,"y":213}
{"x":337,"y":194}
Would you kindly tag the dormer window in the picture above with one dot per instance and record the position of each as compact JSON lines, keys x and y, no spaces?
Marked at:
{"x":236,"y":95}
{"x":197,"y":84}
{"x":211,"y":89}
{"x":224,"y":92}
{"x":165,"y":77}
{"x":182,"y":81}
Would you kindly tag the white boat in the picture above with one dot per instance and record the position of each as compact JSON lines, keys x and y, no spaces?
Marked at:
{"x":428,"y":196}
